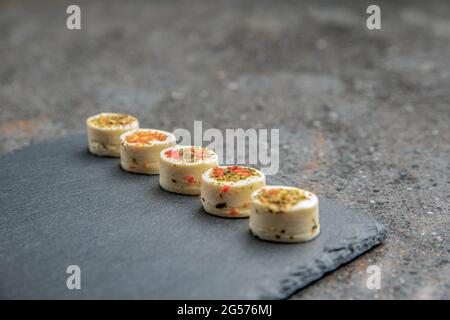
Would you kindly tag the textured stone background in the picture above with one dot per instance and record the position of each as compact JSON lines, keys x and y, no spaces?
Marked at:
{"x":363,"y":115}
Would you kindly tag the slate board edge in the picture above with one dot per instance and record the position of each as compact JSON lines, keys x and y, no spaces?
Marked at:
{"x":337,"y":256}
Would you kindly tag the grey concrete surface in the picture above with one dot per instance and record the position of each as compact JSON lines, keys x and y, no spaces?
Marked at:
{"x":363,"y":115}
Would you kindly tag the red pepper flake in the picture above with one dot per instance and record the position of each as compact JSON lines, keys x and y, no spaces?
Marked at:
{"x":241,"y":171}
{"x":168,"y":153}
{"x":190,"y":179}
{"x":218,"y":172}
{"x":233,"y":212}
{"x":225,"y":188}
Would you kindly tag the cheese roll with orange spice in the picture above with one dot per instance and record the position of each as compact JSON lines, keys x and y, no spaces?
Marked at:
{"x":104,"y":131}
{"x":182,"y":168}
{"x":140,"y":148}
{"x":226,"y":190}
{"x":284,"y":214}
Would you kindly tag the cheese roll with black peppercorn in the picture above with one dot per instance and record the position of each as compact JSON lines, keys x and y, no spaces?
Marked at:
{"x":226,"y":191}
{"x":284,"y":214}
{"x":104,"y":131}
{"x":182,"y":168}
{"x":140,"y":149}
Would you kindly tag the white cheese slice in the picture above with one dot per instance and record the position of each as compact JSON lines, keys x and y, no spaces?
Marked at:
{"x":182,"y":168}
{"x":104,"y":131}
{"x":296,"y":223}
{"x":140,"y":149}
{"x":230,"y":198}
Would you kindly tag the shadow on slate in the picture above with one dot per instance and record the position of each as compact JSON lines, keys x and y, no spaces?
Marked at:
{"x":61,"y":206}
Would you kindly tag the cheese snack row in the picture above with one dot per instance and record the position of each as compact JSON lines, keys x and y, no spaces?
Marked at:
{"x":277,"y":213}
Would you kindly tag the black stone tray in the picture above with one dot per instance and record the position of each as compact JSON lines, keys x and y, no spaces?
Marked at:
{"x":61,"y":206}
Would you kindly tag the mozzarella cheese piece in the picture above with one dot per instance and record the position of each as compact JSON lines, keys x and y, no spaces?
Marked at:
{"x":284,"y":214}
{"x":140,"y":149}
{"x":104,"y":131}
{"x":182,"y":168}
{"x":226,"y":191}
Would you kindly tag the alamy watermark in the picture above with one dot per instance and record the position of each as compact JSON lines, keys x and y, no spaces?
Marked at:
{"x":373,"y":22}
{"x":254,"y":147}
{"x":73,"y":21}
{"x":374,"y":279}
{"x":74,"y":280}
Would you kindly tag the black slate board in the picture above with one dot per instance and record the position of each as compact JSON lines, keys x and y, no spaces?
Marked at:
{"x":61,"y":206}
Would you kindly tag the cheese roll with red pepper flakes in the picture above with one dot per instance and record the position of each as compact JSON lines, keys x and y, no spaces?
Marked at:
{"x":284,"y":214}
{"x":226,"y":191}
{"x":182,"y":168}
{"x":104,"y":131}
{"x":140,"y":149}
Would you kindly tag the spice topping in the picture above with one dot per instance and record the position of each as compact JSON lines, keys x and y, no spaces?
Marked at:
{"x":233,"y":173}
{"x":281,"y":198}
{"x":145,"y":137}
{"x":112,"y":120}
{"x":189,"y":154}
